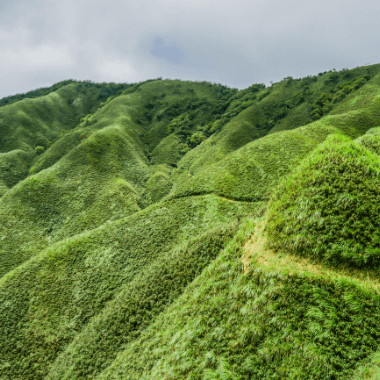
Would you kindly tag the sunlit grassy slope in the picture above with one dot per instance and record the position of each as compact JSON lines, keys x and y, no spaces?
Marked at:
{"x":126,"y":221}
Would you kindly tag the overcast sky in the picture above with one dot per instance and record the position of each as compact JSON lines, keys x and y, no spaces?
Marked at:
{"x":233,"y":42}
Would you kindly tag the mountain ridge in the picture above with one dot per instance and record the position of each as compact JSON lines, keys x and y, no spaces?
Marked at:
{"x":126,"y":210}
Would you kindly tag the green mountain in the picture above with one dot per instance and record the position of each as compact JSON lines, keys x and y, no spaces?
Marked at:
{"x":185,"y":230}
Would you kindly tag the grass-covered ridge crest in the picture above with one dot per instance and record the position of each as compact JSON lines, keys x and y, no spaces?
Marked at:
{"x":328,"y":207}
{"x":132,"y":230}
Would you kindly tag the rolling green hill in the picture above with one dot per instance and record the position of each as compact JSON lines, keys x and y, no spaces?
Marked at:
{"x":171,"y":229}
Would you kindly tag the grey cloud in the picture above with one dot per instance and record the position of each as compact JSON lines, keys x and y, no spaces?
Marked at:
{"x":234,"y":42}
{"x":170,"y":52}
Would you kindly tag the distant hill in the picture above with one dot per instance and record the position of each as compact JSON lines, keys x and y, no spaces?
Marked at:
{"x":172,"y":229}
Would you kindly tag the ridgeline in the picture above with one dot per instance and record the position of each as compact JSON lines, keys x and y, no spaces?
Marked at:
{"x":171,"y":229}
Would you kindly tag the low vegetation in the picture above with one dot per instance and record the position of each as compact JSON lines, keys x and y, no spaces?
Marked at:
{"x":267,"y":323}
{"x":172,"y":229}
{"x":328,"y":208}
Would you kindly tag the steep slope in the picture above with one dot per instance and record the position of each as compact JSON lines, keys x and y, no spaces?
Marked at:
{"x":50,"y":205}
{"x":96,"y":172}
{"x":148,"y":257}
{"x":258,"y":313}
{"x":328,"y":208}
{"x":269,"y":323}
{"x":119,"y":250}
{"x":30,"y":123}
{"x":265,"y":160}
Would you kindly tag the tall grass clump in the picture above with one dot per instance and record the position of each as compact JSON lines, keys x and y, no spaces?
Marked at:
{"x":328,"y":208}
{"x":371,"y":140}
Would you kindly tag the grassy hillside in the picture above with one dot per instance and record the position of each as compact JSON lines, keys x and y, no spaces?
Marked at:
{"x":185,"y":230}
{"x":247,"y":173}
{"x":270,"y":321}
{"x":328,"y":207}
{"x":86,"y":283}
{"x":96,"y":172}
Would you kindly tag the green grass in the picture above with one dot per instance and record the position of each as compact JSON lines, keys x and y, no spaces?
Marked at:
{"x":248,"y":173}
{"x":371,"y":140}
{"x":168,"y":151}
{"x":124,"y":238}
{"x":83,"y":286}
{"x":37,"y":122}
{"x":370,"y":370}
{"x":159,"y":184}
{"x":328,"y":208}
{"x":265,"y":324}
{"x":58,"y":202}
{"x":251,"y":171}
{"x":98,"y":171}
{"x":102,"y":91}
{"x":14,"y":167}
